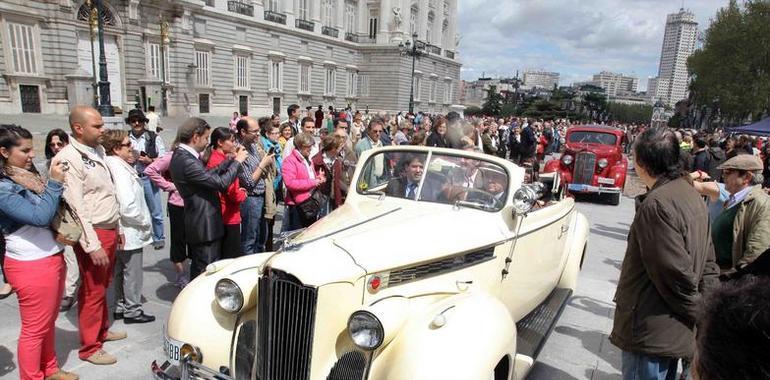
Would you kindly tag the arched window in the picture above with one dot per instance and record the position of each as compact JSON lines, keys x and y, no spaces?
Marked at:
{"x":413,"y":27}
{"x":429,"y":31}
{"x":108,"y":18}
{"x":327,"y":12}
{"x":351,"y":8}
{"x":445,"y":41}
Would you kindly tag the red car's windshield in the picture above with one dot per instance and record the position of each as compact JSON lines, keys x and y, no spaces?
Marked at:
{"x":592,"y":137}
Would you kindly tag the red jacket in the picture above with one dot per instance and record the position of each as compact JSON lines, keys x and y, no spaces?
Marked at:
{"x":230,"y":201}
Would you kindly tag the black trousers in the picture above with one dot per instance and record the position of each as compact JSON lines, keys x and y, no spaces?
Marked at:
{"x":231,"y":243}
{"x":203,"y":254}
{"x":178,"y":250}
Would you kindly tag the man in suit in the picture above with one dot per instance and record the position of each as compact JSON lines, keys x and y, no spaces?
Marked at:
{"x":406,"y":185}
{"x":204,"y":228}
{"x":528,"y":144}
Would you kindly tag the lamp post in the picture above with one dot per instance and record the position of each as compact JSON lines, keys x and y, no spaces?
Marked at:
{"x":105,"y":105}
{"x":164,"y":40}
{"x":93,"y":23}
{"x":411,"y":48}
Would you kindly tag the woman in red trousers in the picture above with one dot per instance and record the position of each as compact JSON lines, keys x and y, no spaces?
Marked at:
{"x":34,"y":264}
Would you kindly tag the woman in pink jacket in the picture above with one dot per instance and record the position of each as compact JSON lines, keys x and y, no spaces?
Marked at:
{"x":159,"y":175}
{"x":300,"y":181}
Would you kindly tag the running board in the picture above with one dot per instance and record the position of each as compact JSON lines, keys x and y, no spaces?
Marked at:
{"x":534,"y":329}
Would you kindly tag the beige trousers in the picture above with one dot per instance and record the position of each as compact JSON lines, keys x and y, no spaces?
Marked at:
{"x":71,"y":280}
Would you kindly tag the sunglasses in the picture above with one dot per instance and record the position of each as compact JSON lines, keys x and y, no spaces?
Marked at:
{"x":125,"y":145}
{"x":56,"y":144}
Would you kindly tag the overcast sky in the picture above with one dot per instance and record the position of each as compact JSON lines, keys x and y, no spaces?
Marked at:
{"x":576,"y":38}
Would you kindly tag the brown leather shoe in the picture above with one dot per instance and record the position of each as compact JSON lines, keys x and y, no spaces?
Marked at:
{"x":112,"y":336}
{"x":63,"y":375}
{"x":101,"y":357}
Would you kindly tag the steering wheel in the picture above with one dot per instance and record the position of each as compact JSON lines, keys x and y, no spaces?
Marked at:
{"x":461,"y":193}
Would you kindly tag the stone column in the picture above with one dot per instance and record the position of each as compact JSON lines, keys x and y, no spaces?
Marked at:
{"x":422,"y":20}
{"x":452,"y":26}
{"x":340,"y":16}
{"x":315,"y":13}
{"x":386,"y":18}
{"x":362,"y":26}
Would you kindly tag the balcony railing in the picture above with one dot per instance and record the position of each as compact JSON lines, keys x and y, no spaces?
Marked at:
{"x":276,"y":17}
{"x":304,"y":24}
{"x":433,"y":49}
{"x":352,"y":37}
{"x":331,"y":32}
{"x":449,"y":54}
{"x":209,"y":3}
{"x":240,"y":7}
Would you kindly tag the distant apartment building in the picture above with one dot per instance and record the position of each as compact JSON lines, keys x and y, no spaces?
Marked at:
{"x":540,"y":79}
{"x":616,"y":85}
{"x":679,"y":41}
{"x":476,"y":93}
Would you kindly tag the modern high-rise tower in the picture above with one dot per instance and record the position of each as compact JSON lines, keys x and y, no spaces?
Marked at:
{"x":678,"y":44}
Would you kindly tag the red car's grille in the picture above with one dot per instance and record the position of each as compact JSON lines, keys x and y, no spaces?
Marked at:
{"x":585,"y":164}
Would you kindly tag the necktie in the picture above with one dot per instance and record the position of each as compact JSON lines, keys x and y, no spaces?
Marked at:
{"x":410,"y":191}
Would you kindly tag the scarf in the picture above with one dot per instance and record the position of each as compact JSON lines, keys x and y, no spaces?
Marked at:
{"x":30,"y":180}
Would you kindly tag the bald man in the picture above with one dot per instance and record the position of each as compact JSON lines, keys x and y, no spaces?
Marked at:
{"x":89,"y":191}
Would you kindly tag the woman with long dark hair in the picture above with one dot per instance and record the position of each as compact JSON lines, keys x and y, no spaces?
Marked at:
{"x":223,"y":144}
{"x":55,"y":141}
{"x":34,"y":265}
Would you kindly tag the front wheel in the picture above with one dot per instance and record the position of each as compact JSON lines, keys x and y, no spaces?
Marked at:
{"x":614,"y":199}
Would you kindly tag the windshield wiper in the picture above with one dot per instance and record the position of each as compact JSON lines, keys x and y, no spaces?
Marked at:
{"x":380,"y":194}
{"x":476,"y":205}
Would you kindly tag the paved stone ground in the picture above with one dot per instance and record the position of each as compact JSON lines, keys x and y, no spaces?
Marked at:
{"x":577,"y":349}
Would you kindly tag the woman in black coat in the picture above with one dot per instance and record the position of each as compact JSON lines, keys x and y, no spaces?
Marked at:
{"x":437,"y":137}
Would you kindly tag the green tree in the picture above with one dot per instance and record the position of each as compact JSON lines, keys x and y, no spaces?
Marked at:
{"x":493,"y":106}
{"x":732,"y":70}
{"x":630,"y":113}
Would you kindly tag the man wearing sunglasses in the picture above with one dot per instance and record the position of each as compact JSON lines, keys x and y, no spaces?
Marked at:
{"x":148,"y":146}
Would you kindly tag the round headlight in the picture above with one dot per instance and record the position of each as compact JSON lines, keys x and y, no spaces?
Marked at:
{"x":523,"y":200}
{"x":365,"y":330}
{"x":228,"y":295}
{"x":603,"y":163}
{"x":567,"y":159}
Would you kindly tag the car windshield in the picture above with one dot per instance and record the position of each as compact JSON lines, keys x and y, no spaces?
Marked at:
{"x":592,"y":137}
{"x":434,"y":177}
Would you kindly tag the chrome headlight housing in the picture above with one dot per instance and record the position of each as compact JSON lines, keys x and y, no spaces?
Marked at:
{"x":603,"y":163}
{"x":567,"y":159}
{"x":228,"y":295}
{"x":366,"y":330}
{"x":523,"y":200}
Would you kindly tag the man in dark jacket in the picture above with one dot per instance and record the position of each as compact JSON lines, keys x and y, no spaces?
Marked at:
{"x":204,"y":228}
{"x":669,"y":264}
{"x":700,"y":155}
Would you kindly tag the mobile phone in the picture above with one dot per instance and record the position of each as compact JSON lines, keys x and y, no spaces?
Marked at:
{"x":271,"y":150}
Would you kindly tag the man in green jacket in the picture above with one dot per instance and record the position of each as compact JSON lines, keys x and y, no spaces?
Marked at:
{"x":668,"y":265}
{"x":742,"y":231}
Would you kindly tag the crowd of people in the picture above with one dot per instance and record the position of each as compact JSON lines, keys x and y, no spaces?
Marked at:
{"x":82,"y":225}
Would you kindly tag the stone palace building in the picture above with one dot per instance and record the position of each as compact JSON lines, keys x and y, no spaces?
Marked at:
{"x":221,"y":56}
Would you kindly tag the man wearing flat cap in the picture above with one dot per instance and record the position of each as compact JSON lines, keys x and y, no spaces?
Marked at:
{"x":148,"y":146}
{"x":742,"y":231}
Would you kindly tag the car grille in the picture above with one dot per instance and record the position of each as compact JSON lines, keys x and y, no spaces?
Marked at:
{"x":351,"y":366}
{"x":245,"y":350}
{"x":585,"y":164}
{"x":286,"y":322}
{"x":434,"y":268}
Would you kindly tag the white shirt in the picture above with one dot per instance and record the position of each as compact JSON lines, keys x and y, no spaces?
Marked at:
{"x":30,"y":243}
{"x":190,"y":149}
{"x":738,"y":197}
{"x":154,"y":121}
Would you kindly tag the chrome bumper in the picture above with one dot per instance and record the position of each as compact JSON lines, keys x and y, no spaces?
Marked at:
{"x":187,"y":370}
{"x":580,"y":188}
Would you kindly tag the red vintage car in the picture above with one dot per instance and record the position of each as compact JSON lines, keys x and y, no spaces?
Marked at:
{"x":593,"y":162}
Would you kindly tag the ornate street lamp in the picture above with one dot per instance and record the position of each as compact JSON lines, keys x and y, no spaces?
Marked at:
{"x":93,"y":23}
{"x":164,"y":40}
{"x":415,"y":49}
{"x":105,"y":105}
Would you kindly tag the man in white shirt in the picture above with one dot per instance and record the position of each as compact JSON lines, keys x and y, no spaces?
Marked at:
{"x":153,"y":120}
{"x":308,"y":125}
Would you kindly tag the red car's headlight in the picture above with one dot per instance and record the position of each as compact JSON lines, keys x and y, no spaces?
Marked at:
{"x":567,"y":159}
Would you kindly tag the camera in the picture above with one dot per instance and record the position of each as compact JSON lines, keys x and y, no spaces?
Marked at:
{"x":271,"y":150}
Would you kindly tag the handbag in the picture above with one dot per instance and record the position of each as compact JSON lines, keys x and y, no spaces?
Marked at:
{"x":67,"y":225}
{"x":309,"y":208}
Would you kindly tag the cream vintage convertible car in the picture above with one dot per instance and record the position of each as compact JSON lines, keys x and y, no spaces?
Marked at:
{"x":442,"y":264}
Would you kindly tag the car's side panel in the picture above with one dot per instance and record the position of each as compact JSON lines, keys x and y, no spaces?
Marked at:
{"x":477,"y":333}
{"x":575,"y":250}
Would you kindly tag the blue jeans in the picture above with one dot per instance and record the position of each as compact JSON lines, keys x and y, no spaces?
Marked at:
{"x":252,"y":210}
{"x":643,"y":367}
{"x":152,"y":197}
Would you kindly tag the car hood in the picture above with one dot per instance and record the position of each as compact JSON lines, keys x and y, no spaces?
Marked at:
{"x":381,"y":235}
{"x":599,"y":149}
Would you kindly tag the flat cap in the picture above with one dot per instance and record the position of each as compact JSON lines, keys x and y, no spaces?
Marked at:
{"x":742,"y":162}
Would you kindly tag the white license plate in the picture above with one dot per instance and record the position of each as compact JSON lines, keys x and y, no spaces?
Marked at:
{"x":606,"y":181}
{"x":171,"y":348}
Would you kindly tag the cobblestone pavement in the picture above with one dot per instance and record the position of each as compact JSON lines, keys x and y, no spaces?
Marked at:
{"x":577,"y":349}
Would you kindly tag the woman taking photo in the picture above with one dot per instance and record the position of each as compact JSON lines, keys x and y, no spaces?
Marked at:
{"x":135,"y":225}
{"x":223,"y":145}
{"x":34,"y":265}
{"x":300,"y":180}
{"x":329,"y":163}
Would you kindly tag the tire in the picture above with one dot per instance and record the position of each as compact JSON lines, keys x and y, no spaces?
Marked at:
{"x":614,"y":199}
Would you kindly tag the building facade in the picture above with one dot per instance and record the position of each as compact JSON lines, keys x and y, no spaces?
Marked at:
{"x":615,"y":84}
{"x":221,"y":56}
{"x":679,"y":43}
{"x":540,"y":79}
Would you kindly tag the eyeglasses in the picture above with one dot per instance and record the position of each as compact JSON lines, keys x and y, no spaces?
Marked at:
{"x":126,"y":145}
{"x":252,"y":132}
{"x":56,"y":144}
{"x":136,"y":121}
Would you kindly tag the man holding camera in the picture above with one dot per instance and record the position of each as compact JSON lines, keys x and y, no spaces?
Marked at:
{"x":252,"y":179}
{"x":149,"y":146}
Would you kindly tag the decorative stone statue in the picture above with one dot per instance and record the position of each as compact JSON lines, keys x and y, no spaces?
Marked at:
{"x":397,"y":19}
